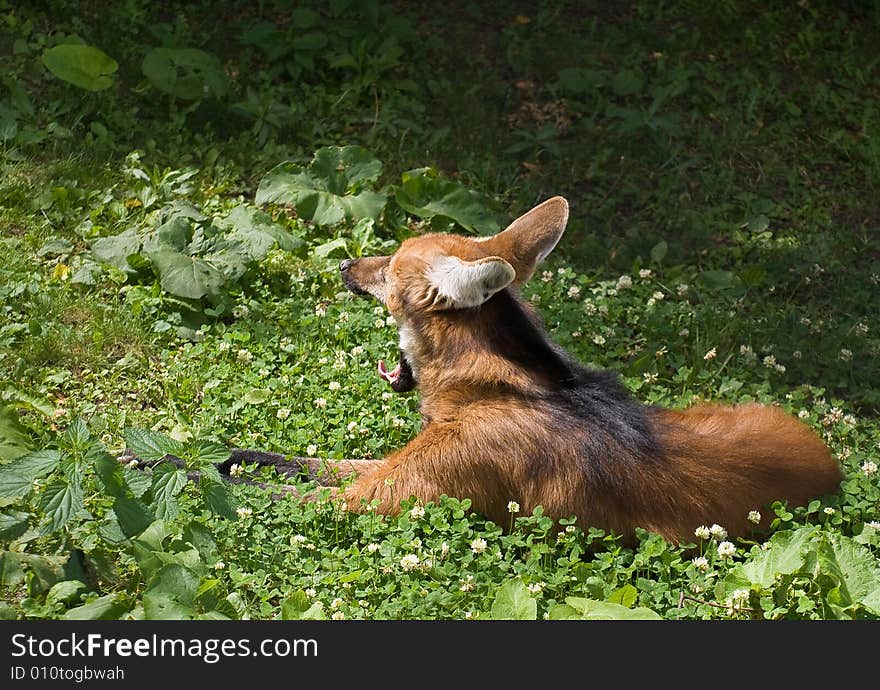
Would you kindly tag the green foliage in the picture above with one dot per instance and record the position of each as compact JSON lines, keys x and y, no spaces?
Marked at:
{"x":159,"y":283}
{"x":84,"y":66}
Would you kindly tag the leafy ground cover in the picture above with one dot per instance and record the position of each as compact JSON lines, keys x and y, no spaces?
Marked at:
{"x":178,"y":189}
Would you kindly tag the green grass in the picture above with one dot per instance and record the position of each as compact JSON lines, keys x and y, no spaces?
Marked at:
{"x":722,"y":166}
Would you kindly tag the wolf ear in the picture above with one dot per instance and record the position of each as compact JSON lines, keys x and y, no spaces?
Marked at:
{"x":464,"y":284}
{"x":531,"y":237}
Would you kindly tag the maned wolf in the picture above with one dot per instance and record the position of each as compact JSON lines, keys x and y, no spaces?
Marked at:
{"x":510,"y":416}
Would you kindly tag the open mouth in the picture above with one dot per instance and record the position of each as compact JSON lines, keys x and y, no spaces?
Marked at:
{"x":400,"y":378}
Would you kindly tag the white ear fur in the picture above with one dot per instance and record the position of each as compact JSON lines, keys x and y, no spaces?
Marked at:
{"x":465,"y":284}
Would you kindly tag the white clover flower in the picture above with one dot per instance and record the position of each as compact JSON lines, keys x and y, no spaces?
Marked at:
{"x":263,"y":373}
{"x":283,"y":412}
{"x":337,"y":616}
{"x":828,"y":510}
{"x":398,"y":423}
{"x":320,"y":402}
{"x":244,"y":512}
{"x":357,"y":350}
{"x":236,"y":470}
{"x":379,"y":323}
{"x":311,"y":593}
{"x":547,"y":276}
{"x":468,"y":584}
{"x":589,"y":308}
{"x":737,"y":599}
{"x":599,"y":340}
{"x":320,"y":311}
{"x":869,"y":468}
{"x":845,"y":354}
{"x":682,"y":289}
{"x":300,"y":539}
{"x":711,"y":354}
{"x":224,"y":347}
{"x":645,"y":273}
{"x":754,"y":516}
{"x":702,"y":532}
{"x":219,"y":565}
{"x":796,"y":354}
{"x":444,"y":550}
{"x":387,"y":396}
{"x":512,"y":507}
{"x":658,"y":295}
{"x":624,"y":283}
{"x":535,"y":587}
{"x":409,"y":562}
{"x":804,"y":414}
{"x":718,"y":532}
{"x":684,"y":332}
{"x":132,"y":464}
{"x":850,"y":420}
{"x":244,"y":355}
{"x":780,"y":368}
{"x":334,"y":385}
{"x":574,"y":291}
{"x":649,"y":377}
{"x":417,"y":512}
{"x":468,"y":615}
{"x":701,"y":563}
{"x":478,"y":546}
{"x":861,"y":328}
{"x":769,"y":361}
{"x":311,"y":449}
{"x":351,"y":426}
{"x":373,"y":548}
{"x":390,"y":321}
{"x":726,"y":550}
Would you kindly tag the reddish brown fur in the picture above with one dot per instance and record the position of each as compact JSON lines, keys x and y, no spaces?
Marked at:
{"x":492,"y":435}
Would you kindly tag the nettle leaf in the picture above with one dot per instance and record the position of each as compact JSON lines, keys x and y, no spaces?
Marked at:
{"x":132,"y":515}
{"x":293,"y":607}
{"x":168,"y":482}
{"x":514,"y":602}
{"x":424,"y":194}
{"x":13,"y":524}
{"x":14,"y":441}
{"x":77,"y":434}
{"x":576,"y":608}
{"x":60,"y":501}
{"x":330,"y":189}
{"x":81,"y":65}
{"x":17,"y":477}
{"x":185,"y":73}
{"x":186,"y":276}
{"x":151,"y":445}
{"x":217,"y":497}
{"x":201,"y":451}
{"x":171,"y":594}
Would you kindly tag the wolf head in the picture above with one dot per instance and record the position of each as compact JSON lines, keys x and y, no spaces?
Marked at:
{"x":431,"y":275}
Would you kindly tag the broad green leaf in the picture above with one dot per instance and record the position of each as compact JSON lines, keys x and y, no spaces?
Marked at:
{"x":14,"y":441}
{"x":329,"y":190}
{"x":577,"y":608}
{"x":294,"y":606}
{"x":257,"y":232}
{"x":314,"y":613}
{"x":339,"y":245}
{"x":625,"y":596}
{"x":718,"y":280}
{"x":514,"y":602}
{"x":217,"y":497}
{"x":171,"y":594}
{"x":13,"y":524}
{"x":133,"y":516}
{"x":579,"y":80}
{"x":110,"y":473}
{"x":628,"y":82}
{"x":65,"y":592}
{"x":186,"y":276}
{"x":138,"y":481}
{"x":17,"y":477}
{"x":426,"y":195}
{"x":108,"y":607}
{"x":202,"y":540}
{"x":151,"y":445}
{"x":201,"y":451}
{"x":77,"y":434}
{"x":168,"y":481}
{"x":116,"y":249}
{"x":856,"y":570}
{"x":83,"y":66}
{"x":186,"y":73}
{"x":47,"y":569}
{"x":784,"y":557}
{"x":60,"y":501}
{"x":658,"y":251}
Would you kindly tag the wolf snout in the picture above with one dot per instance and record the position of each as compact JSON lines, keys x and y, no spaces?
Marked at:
{"x":345,"y":264}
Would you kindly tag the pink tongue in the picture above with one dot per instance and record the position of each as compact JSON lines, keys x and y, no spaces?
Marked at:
{"x":390,"y":376}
